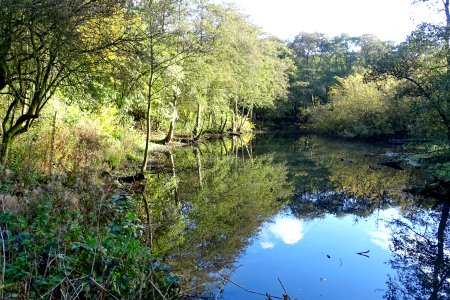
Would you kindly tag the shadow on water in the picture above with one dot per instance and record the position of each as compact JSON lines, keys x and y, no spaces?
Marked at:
{"x":210,"y":211}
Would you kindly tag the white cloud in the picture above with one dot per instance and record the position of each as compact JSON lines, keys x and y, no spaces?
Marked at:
{"x":267,"y":245}
{"x":381,"y":237}
{"x":287,"y":229}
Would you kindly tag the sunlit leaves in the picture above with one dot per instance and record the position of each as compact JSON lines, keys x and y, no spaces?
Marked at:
{"x":358,"y":109}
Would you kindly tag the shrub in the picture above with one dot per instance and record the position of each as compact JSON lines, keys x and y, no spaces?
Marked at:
{"x":57,"y":251}
{"x":359,"y":109}
{"x":73,"y":141}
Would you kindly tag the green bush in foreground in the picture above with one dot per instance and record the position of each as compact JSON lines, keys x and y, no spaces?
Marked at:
{"x":58,"y":253}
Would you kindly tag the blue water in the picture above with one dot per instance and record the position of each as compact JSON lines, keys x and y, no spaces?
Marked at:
{"x":316,"y":259}
{"x":298,"y":209}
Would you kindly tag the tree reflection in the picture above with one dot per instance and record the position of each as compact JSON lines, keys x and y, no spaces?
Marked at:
{"x":313,"y":206}
{"x":347,"y":179}
{"x":214,"y":199}
{"x":223,"y":201}
{"x":421,"y":247}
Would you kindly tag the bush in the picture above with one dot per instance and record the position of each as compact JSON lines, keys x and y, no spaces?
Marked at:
{"x":73,"y":141}
{"x":359,"y":109}
{"x":56,"y":251}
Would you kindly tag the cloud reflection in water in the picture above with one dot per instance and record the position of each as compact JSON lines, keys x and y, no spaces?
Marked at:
{"x":287,"y":229}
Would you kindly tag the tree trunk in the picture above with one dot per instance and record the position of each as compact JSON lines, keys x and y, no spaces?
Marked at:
{"x":148,"y":125}
{"x":244,"y":118}
{"x":4,"y":147}
{"x":169,"y":136}
{"x":197,"y":131}
{"x":236,"y":118}
{"x":223,"y":125}
{"x":233,"y":127}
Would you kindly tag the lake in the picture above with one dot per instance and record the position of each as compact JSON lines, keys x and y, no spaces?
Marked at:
{"x":302,"y":215}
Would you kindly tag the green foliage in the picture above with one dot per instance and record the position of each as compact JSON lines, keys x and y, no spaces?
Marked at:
{"x":73,"y":141}
{"x":63,"y":253}
{"x":320,"y":60}
{"x":243,"y":71}
{"x":422,"y":62}
{"x":44,"y":44}
{"x":359,"y":109}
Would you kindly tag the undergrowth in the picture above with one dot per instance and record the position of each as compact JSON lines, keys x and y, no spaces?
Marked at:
{"x":70,"y":240}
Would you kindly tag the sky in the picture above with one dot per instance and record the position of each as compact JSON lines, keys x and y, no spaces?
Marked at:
{"x":387,"y":19}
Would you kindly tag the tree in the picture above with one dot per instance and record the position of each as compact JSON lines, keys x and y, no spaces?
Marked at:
{"x":171,"y":35}
{"x":43,"y":44}
{"x":423,"y":63}
{"x":320,"y":60}
{"x":242,"y":70}
{"x":359,"y":108}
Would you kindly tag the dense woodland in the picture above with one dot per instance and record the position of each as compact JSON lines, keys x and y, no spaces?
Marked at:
{"x":92,"y":91}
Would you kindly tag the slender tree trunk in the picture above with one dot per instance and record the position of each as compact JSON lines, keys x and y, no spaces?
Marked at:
{"x":148,"y":124}
{"x":241,"y":123}
{"x":169,"y":136}
{"x":223,"y":125}
{"x":242,"y":148}
{"x":197,"y":130}
{"x":233,"y":123}
{"x":149,"y":96}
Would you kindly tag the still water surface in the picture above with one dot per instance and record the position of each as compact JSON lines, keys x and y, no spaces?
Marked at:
{"x":320,"y":218}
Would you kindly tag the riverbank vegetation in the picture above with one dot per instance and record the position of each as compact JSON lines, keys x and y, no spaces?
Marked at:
{"x":91,"y":90}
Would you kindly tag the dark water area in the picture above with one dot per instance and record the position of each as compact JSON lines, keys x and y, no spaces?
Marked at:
{"x":307,"y":216}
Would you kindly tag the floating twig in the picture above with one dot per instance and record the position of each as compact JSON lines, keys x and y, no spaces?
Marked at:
{"x":364,"y":253}
{"x":285,"y":295}
{"x":227,"y":278}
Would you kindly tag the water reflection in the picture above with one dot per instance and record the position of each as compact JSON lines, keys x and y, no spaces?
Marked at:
{"x":206,"y":212}
{"x":381,"y":237}
{"x":224,"y":201}
{"x":288,"y":229}
{"x":421,"y":247}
